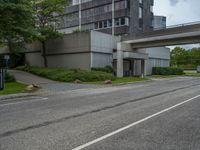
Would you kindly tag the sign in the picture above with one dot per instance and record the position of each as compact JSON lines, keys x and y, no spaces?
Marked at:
{"x":6,"y":57}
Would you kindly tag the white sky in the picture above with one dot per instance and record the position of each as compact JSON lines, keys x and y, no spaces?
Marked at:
{"x":178,"y":12}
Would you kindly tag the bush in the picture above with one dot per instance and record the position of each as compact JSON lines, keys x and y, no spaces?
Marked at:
{"x":107,"y":69}
{"x":9,"y":78}
{"x":167,"y":71}
{"x":68,"y":75}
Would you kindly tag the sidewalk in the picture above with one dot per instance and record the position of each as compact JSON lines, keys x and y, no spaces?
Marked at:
{"x":48,"y":86}
{"x":28,"y":78}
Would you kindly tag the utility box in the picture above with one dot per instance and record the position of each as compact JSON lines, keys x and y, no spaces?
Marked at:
{"x":198,"y":69}
{"x":2,"y":78}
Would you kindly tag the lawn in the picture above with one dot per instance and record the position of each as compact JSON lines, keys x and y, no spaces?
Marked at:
{"x":13,"y":88}
{"x":123,"y":80}
{"x":192,"y":73}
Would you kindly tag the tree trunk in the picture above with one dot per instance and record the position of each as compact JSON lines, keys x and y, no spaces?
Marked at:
{"x":44,"y":54}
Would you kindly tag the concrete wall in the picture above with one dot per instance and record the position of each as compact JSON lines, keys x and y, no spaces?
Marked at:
{"x":158,"y":52}
{"x":158,"y":57}
{"x":102,"y":46}
{"x":34,"y":59}
{"x":101,"y":60}
{"x":71,"y":61}
{"x":70,"y":43}
{"x":70,"y":51}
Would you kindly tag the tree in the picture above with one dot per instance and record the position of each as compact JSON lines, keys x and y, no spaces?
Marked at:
{"x":16,"y":24}
{"x":46,"y":12}
{"x":179,"y":56}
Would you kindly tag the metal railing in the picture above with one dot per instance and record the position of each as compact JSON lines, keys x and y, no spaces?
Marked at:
{"x":178,"y":25}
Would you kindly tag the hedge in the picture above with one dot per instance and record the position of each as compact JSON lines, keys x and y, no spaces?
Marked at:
{"x":9,"y":78}
{"x":68,"y":75}
{"x":167,"y":71}
{"x":107,"y":69}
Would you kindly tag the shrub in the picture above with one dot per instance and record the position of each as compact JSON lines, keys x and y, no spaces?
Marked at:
{"x":68,"y":75}
{"x":9,"y":78}
{"x":167,"y":71}
{"x":107,"y":69}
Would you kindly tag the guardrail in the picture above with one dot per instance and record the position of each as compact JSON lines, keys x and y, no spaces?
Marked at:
{"x":178,"y":25}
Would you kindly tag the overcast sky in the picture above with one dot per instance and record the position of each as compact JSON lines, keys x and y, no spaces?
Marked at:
{"x":178,"y":12}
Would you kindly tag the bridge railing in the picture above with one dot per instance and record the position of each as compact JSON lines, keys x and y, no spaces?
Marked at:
{"x":178,"y":25}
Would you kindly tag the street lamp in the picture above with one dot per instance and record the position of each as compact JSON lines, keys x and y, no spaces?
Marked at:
{"x":113,"y":17}
{"x":80,"y":2}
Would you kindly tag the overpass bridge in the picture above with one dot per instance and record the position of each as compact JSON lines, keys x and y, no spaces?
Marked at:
{"x":132,"y":47}
{"x":172,"y":35}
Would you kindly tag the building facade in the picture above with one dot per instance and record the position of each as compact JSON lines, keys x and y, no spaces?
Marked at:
{"x":123,"y":16}
{"x":159,"y":22}
{"x":105,"y":22}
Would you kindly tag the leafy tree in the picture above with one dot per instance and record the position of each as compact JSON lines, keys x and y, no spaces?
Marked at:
{"x":45,"y":12}
{"x":179,"y":56}
{"x":195,"y":56}
{"x":185,"y":58}
{"x":16,"y":23}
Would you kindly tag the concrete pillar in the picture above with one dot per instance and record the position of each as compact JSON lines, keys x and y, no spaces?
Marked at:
{"x":143,"y":70}
{"x":120,"y":63}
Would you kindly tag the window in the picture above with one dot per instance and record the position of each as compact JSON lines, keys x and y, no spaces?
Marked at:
{"x":109,"y":23}
{"x":117,"y":22}
{"x":100,"y":25}
{"x":122,"y":21}
{"x":151,"y":8}
{"x":140,"y":23}
{"x":105,"y":25}
{"x":140,"y":12}
{"x":96,"y":25}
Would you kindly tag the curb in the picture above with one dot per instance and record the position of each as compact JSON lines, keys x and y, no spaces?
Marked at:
{"x":12,"y":96}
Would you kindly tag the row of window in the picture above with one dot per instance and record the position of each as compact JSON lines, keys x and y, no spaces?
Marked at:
{"x":108,"y":23}
{"x":104,"y":9}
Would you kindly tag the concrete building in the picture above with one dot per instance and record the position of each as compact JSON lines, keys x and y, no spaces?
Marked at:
{"x":123,"y":16}
{"x":76,"y":50}
{"x":159,"y":22}
{"x":103,"y":24}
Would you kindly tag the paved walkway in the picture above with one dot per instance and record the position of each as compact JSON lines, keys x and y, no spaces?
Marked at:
{"x":28,"y":78}
{"x":46,"y":84}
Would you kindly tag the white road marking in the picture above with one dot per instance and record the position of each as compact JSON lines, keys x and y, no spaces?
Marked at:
{"x":35,"y":99}
{"x":131,"y":125}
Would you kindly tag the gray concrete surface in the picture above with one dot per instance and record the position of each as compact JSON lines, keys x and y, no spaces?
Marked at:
{"x":47,"y":86}
{"x":65,"y":121}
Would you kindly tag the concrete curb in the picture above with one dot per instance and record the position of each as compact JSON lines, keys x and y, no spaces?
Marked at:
{"x":12,"y":96}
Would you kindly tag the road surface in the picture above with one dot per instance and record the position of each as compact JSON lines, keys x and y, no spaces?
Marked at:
{"x":158,"y":115}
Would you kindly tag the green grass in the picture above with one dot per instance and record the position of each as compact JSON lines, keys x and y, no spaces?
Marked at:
{"x":192,"y":73}
{"x":13,"y":88}
{"x":119,"y":81}
{"x":165,"y":76}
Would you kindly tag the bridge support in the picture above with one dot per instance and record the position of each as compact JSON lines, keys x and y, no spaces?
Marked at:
{"x":120,"y":61}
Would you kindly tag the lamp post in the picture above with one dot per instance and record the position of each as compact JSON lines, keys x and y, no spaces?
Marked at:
{"x":113,"y":17}
{"x":80,"y":20}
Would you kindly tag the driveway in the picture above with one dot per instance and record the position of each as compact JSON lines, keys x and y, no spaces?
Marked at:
{"x":48,"y":86}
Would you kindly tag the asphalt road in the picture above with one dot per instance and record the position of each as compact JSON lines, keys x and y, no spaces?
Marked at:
{"x":158,"y":115}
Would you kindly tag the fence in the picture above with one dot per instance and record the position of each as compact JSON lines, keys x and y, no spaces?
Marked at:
{"x":2,"y":78}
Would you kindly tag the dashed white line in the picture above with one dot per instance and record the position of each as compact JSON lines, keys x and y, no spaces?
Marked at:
{"x":131,"y":125}
{"x":35,"y":99}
